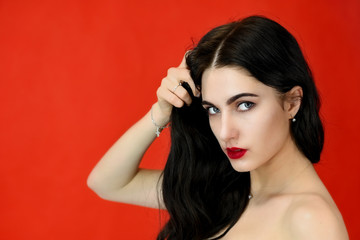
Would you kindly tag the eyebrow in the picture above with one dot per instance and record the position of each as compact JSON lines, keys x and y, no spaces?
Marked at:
{"x":233,"y":98}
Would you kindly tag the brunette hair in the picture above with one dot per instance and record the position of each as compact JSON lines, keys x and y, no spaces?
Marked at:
{"x":203,"y":194}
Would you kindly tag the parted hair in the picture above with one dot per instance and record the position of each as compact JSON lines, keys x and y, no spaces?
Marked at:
{"x":203,"y":194}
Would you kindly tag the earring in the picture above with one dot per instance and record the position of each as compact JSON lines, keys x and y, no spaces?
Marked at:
{"x":292,"y":118}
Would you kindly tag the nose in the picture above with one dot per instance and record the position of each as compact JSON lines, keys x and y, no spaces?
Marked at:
{"x":228,"y":129}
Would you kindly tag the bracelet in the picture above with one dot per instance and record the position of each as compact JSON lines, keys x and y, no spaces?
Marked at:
{"x":158,"y":128}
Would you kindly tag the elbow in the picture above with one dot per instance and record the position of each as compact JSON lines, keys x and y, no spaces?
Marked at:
{"x":95,"y":185}
{"x":92,"y":183}
{"x":89,"y":182}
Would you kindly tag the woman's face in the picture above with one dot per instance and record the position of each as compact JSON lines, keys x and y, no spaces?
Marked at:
{"x":246,"y":116}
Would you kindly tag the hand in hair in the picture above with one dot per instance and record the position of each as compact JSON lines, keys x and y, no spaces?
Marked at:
{"x":117,"y":176}
{"x":171,"y":93}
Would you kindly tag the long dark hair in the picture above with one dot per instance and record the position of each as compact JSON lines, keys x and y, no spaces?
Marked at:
{"x":203,"y":194}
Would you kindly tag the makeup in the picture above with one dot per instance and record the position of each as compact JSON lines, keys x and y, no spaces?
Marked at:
{"x":235,"y":153}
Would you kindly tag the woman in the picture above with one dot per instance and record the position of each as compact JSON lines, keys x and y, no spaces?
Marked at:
{"x":245,"y":130}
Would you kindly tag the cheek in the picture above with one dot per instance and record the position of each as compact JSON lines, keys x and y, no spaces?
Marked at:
{"x":271,"y":130}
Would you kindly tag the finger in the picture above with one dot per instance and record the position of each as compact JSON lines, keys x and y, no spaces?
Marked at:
{"x":181,"y":93}
{"x":171,"y":83}
{"x":178,"y":89}
{"x":187,"y":78}
{"x":166,"y":95}
{"x":175,"y":77}
{"x":190,"y":81}
{"x":183,"y":61}
{"x":194,"y":89}
{"x":180,"y":74}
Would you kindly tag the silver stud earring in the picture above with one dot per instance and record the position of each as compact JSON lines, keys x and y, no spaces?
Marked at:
{"x":293,"y":120}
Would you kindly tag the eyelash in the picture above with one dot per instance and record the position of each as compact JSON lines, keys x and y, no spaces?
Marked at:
{"x":216,"y":110}
{"x":251,"y":105}
{"x":208,"y":109}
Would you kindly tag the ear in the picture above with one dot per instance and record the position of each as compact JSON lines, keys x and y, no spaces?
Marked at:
{"x":292,"y":101}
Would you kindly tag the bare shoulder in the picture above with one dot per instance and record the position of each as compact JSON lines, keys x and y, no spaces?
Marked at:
{"x":311,"y":216}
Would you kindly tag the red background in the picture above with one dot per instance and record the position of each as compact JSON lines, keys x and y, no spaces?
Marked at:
{"x":74,"y":75}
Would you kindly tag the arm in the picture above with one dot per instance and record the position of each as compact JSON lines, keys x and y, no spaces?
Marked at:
{"x":117,"y":176}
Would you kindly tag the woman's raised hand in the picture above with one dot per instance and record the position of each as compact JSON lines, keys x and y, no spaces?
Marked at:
{"x":171,"y":93}
{"x":117,"y":176}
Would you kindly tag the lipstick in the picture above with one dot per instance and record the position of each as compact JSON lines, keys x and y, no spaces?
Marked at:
{"x":235,"y":153}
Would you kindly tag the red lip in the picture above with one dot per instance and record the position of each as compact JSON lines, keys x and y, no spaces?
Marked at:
{"x":235,"y":153}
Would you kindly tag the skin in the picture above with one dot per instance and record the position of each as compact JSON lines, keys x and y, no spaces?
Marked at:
{"x":117,"y":176}
{"x":289,"y":200}
{"x":248,"y":122}
{"x":288,"y":195}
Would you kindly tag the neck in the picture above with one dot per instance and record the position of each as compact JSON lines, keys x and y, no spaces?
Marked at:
{"x":279,"y":173}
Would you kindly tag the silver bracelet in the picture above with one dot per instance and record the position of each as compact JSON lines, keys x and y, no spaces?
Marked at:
{"x":158,"y":128}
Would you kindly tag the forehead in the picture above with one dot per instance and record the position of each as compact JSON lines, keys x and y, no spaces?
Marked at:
{"x":229,"y":81}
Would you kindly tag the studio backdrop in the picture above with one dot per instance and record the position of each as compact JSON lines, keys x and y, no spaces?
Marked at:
{"x":74,"y":75}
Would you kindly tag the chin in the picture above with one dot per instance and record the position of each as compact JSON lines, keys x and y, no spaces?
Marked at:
{"x":241,"y":166}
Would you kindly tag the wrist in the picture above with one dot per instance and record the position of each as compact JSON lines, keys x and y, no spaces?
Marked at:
{"x":158,"y":119}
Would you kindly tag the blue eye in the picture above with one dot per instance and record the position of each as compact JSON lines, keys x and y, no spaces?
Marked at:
{"x":212,"y":110}
{"x":245,"y":106}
